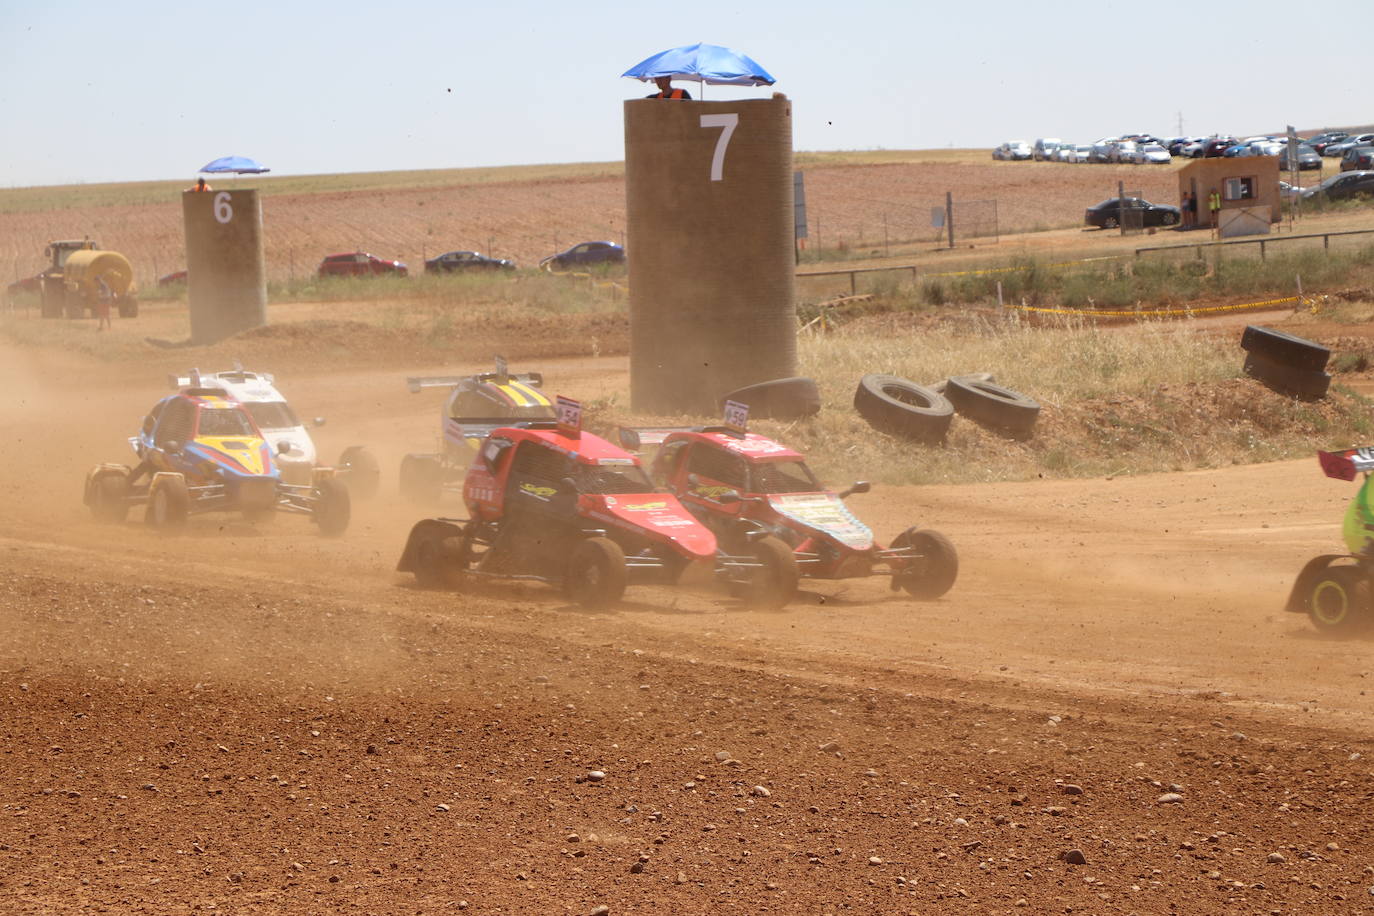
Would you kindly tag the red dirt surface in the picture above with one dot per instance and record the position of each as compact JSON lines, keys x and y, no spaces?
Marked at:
{"x":252,"y":719}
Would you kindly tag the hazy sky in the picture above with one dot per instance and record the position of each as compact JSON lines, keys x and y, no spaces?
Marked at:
{"x":99,"y":91}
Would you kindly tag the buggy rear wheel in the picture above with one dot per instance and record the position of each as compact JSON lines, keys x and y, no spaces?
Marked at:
{"x":596,"y":573}
{"x":936,"y":565}
{"x":441,"y":561}
{"x":110,"y":496}
{"x":1338,"y":600}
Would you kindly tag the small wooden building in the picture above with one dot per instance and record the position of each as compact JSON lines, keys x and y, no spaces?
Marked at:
{"x":1248,"y":187}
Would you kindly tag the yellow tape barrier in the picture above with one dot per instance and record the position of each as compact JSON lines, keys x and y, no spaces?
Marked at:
{"x":1164,"y":313}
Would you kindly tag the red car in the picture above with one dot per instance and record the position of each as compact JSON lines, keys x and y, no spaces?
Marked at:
{"x":743,"y":485}
{"x":359,"y":264}
{"x":552,"y":503}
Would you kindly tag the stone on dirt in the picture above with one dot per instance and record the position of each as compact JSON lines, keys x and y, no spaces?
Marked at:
{"x":1170,"y":798}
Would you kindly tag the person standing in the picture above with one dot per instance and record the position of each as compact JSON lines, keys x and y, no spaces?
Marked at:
{"x":103,"y":297}
{"x":1183,"y":208}
{"x":1214,"y":205}
{"x":666,"y":90}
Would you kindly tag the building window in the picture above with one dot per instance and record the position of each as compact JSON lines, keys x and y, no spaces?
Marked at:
{"x":1240,"y":189}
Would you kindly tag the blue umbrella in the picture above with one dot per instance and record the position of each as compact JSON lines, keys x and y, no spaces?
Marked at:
{"x":241,"y":165}
{"x":710,"y":64}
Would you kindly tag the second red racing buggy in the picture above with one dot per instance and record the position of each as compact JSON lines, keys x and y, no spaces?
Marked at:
{"x":744,"y":485}
{"x":551,"y":503}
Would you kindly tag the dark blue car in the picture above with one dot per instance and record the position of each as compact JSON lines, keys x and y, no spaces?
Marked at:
{"x":585,"y":254}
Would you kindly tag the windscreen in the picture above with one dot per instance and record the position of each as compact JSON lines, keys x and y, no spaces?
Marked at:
{"x":782,"y":477}
{"x":272,"y":414}
{"x":225,"y":422}
{"x":612,"y":478}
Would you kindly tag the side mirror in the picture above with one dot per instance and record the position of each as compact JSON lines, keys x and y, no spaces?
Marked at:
{"x":284,"y":446}
{"x":318,"y":421}
{"x":859,"y":486}
{"x":728,"y":498}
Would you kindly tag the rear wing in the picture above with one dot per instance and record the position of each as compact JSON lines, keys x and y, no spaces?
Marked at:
{"x":417,"y":383}
{"x":636,"y":438}
{"x":194,"y":379}
{"x":480,"y":429}
{"x":1344,"y":465}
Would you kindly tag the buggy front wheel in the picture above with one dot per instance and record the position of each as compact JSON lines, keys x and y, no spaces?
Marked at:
{"x":933,"y":570}
{"x":1338,"y":600}
{"x":596,"y":573}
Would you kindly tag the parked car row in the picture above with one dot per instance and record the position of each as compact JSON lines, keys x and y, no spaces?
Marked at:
{"x":1354,"y":151}
{"x":361,"y":263}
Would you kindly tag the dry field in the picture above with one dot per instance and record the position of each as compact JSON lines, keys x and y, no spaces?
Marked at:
{"x":528,"y":215}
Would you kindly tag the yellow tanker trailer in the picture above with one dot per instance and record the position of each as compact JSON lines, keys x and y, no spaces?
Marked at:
{"x":81,"y":275}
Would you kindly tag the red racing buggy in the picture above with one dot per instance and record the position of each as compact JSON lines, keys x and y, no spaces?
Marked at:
{"x":743,"y":485}
{"x":551,"y":503}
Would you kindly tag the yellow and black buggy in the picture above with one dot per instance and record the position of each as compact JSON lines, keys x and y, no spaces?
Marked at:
{"x":476,"y":405}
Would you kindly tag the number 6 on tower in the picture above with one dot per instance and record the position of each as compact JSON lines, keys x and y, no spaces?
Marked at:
{"x":729,"y":122}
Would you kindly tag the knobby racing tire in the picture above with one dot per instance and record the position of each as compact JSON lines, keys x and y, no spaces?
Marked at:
{"x":422,"y":479}
{"x":779,"y":399}
{"x":1284,"y":348}
{"x":1303,"y":384}
{"x":997,"y":408}
{"x":774,"y":582}
{"x":109,"y":496}
{"x":1338,"y":600}
{"x":902,"y":408}
{"x":332,"y":507}
{"x":361,"y":473}
{"x":169,"y":504}
{"x":441,"y":560}
{"x":935,"y":568}
{"x":596,"y":573}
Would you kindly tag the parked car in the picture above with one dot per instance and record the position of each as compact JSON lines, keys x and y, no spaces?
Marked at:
{"x":1101,"y":150}
{"x":1080,"y":153}
{"x":1307,"y":158}
{"x":1289,"y":191}
{"x":1338,"y":148}
{"x":1321,"y":141}
{"x":1178,"y":144}
{"x":1107,"y":215}
{"x":1235,"y":150}
{"x":466,"y":260}
{"x":172,"y":279}
{"x":1121,"y":151}
{"x":1217,"y":146}
{"x":359,"y":264}
{"x":585,"y":254}
{"x":1192,"y":148}
{"x":1045,"y":148}
{"x":1012,"y":150}
{"x":1342,"y":186}
{"x":1358,"y":159}
{"x":1151,"y":154}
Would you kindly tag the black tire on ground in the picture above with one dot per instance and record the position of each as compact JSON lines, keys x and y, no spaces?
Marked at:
{"x":1338,"y":600}
{"x":596,"y":573}
{"x":333,"y":508}
{"x":441,"y":561}
{"x":1110,"y":223}
{"x":993,"y":406}
{"x":774,"y":582}
{"x":1169,"y":219}
{"x":1284,"y":349}
{"x":361,"y":473}
{"x":110,"y":496}
{"x":779,"y":399}
{"x":1303,"y":384}
{"x":935,"y":568}
{"x":169,"y":504}
{"x":422,"y":479}
{"x":902,"y":408}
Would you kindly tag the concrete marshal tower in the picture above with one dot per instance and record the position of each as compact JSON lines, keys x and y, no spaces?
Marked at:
{"x":709,"y":235}
{"x":225,"y":273}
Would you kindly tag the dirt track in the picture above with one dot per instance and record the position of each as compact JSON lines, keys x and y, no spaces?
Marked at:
{"x":252,"y":720}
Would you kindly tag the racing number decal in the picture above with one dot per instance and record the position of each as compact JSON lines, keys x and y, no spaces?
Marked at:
{"x":729,"y":122}
{"x":569,"y":414}
{"x":224,"y":208}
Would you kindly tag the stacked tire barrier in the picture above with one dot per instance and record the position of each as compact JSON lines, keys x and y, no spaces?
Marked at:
{"x":1285,"y":363}
{"x":902,"y":408}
